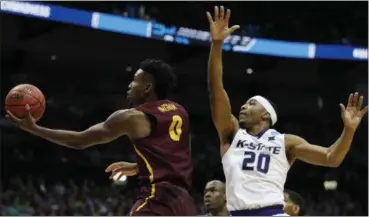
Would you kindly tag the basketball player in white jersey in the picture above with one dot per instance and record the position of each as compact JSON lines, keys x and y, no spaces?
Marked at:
{"x":255,"y":157}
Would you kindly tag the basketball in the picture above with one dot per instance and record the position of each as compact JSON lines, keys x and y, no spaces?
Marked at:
{"x":24,"y":94}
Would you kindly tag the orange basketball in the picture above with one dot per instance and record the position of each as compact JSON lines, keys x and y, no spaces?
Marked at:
{"x":24,"y":94}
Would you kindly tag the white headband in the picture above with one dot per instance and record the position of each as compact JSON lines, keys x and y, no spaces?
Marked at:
{"x":268,"y":107}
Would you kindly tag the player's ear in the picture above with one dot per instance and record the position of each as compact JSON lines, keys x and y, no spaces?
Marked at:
{"x":296,"y":208}
{"x":265,"y":116}
{"x":148,"y":88}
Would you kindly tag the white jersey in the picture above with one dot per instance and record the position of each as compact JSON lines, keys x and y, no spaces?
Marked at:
{"x":255,"y":170}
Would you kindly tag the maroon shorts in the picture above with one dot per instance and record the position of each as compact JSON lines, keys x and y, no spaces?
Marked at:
{"x":163,"y":199}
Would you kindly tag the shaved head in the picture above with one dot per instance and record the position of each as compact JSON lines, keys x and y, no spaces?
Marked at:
{"x":217,"y":184}
{"x":214,"y":197}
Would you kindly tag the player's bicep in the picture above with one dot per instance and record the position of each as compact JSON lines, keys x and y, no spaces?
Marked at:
{"x":123,"y":122}
{"x":104,"y":132}
{"x":300,"y":149}
{"x":221,"y":112}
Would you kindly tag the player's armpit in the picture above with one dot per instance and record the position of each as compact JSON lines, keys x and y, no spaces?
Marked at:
{"x":299,"y":148}
{"x":226,"y":136}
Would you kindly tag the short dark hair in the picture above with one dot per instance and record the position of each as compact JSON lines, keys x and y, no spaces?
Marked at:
{"x":164,"y":78}
{"x":297,"y":199}
{"x":275,"y":109}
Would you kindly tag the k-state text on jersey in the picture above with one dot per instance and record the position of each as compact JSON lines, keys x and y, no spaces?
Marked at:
{"x":257,"y":146}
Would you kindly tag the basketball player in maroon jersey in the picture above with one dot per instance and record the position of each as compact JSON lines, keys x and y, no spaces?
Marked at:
{"x":159,"y":131}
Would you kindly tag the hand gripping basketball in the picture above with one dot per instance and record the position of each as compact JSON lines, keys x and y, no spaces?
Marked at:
{"x":352,"y":114}
{"x":219,"y":29}
{"x":27,"y":123}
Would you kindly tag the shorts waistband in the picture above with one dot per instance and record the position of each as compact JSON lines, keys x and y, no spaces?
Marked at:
{"x":264,"y":211}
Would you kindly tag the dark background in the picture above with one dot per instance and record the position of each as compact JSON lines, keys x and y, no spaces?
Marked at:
{"x":85,"y":73}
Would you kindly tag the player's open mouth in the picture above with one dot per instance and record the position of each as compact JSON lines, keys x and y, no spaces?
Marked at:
{"x":242,"y":115}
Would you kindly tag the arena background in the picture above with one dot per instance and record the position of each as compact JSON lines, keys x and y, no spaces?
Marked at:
{"x":84,"y":74}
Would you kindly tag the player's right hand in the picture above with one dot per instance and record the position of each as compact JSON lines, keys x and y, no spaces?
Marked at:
{"x":28,"y":123}
{"x":122,"y":167}
{"x":219,"y":25}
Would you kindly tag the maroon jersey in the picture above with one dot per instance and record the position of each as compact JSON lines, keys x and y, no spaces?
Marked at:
{"x":164,"y":156}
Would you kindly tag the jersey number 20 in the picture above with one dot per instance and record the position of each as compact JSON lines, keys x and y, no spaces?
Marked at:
{"x":252,"y":160}
{"x":175,"y":129}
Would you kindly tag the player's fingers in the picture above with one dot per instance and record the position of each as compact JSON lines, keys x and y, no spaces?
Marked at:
{"x":350,"y":100}
{"x":116,"y":175}
{"x":228,"y":15}
{"x":221,"y":16}
{"x":119,"y":176}
{"x":112,"y":167}
{"x":108,"y":168}
{"x":364,"y":111}
{"x":342,"y":108}
{"x":112,"y":176}
{"x":360,"y":102}
{"x":12,"y":117}
{"x":356,"y":99}
{"x":210,"y":18}
{"x":233,"y":28}
{"x":28,"y":109}
{"x":216,"y":13}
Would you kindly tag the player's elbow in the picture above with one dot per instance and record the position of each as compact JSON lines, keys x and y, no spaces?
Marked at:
{"x":333,"y":162}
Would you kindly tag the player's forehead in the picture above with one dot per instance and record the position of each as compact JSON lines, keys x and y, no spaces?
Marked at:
{"x":142,"y":76}
{"x":253,"y":102}
{"x":213,"y":185}
{"x":139,"y":74}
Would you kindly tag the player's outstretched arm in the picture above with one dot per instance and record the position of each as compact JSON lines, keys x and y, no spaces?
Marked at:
{"x":122,"y":122}
{"x":334,"y":155}
{"x":219,"y":101}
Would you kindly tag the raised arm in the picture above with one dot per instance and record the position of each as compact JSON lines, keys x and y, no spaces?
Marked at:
{"x":122,"y":122}
{"x":334,"y":155}
{"x":221,"y":112}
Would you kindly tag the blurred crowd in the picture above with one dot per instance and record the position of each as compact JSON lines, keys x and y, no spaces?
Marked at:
{"x":37,"y":197}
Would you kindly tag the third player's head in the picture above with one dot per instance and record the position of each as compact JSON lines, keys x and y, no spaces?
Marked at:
{"x":257,"y":111}
{"x":154,"y":80}
{"x":294,"y":203}
{"x":214,"y":197}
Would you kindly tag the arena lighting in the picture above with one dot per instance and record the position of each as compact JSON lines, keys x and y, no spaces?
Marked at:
{"x":330,"y":185}
{"x":182,"y":35}
{"x":249,"y":71}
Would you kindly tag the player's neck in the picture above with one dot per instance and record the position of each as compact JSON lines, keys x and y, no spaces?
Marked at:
{"x":222,"y":212}
{"x":257,"y":128}
{"x":150,"y":98}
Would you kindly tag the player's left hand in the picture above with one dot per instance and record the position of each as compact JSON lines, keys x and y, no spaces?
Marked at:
{"x":219,"y":29}
{"x":123,"y":168}
{"x":27,"y":123}
{"x":353,"y":113}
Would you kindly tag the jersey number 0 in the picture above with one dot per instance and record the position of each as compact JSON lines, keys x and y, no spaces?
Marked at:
{"x":175,"y":129}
